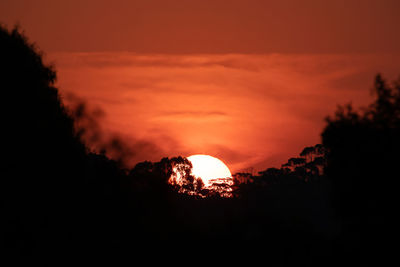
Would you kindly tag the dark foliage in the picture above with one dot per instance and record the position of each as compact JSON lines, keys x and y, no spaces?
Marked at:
{"x":362,"y":156}
{"x":53,"y":192}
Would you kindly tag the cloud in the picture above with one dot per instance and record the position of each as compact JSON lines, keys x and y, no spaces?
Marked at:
{"x":192,"y":115}
{"x":247,"y":109}
{"x":133,"y":60}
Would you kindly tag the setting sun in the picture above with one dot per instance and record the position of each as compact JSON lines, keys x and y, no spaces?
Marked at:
{"x":208,"y":168}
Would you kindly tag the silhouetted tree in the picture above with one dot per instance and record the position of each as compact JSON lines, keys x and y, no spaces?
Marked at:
{"x":362,"y":154}
{"x":294,"y":162}
{"x":308,"y":153}
{"x":53,"y":192}
{"x":42,"y":173}
{"x":174,"y":172}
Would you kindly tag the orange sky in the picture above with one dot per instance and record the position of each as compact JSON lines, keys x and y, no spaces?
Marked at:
{"x":247,"y":81}
{"x":249,"y":110}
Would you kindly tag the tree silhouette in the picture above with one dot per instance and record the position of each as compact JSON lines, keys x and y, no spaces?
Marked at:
{"x":48,"y":180}
{"x":362,"y":154}
{"x":308,"y":153}
{"x":294,"y":162}
{"x":44,"y":159}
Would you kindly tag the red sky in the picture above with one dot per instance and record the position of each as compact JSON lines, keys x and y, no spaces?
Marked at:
{"x":209,"y":26}
{"x":247,"y":81}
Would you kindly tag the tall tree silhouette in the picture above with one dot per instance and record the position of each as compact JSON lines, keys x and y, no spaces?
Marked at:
{"x":362,"y":155}
{"x":43,"y":157}
{"x":48,"y":180}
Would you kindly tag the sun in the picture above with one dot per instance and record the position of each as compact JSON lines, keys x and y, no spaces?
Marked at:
{"x":208,"y":168}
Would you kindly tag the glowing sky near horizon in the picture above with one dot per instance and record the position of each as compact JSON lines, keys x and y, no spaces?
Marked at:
{"x":247,"y":81}
{"x":248,"y":110}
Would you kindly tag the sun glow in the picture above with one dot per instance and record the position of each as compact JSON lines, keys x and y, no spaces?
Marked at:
{"x":209,"y":168}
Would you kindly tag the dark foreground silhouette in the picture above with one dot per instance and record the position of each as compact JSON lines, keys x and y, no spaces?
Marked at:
{"x":62,"y":204}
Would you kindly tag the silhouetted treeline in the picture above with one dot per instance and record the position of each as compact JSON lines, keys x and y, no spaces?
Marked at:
{"x":62,"y":203}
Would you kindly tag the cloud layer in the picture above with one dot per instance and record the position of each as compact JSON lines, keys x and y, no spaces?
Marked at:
{"x":248,"y":110}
